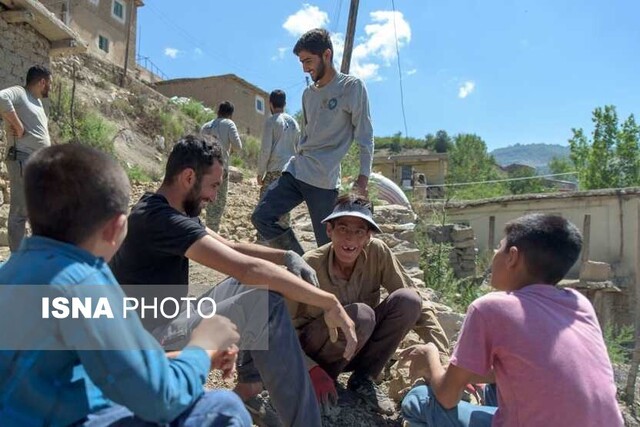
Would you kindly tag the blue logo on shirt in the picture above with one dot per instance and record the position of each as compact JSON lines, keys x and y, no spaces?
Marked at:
{"x":333,"y":102}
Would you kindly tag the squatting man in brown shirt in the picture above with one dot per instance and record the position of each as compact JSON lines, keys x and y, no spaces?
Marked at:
{"x":354,"y":266}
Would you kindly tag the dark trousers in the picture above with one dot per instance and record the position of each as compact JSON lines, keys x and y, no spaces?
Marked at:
{"x":285,"y":194}
{"x":379,"y":332}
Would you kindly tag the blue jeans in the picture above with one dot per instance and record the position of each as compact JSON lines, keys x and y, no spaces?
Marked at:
{"x":285,"y":194}
{"x":421,"y":409}
{"x":218,"y":408}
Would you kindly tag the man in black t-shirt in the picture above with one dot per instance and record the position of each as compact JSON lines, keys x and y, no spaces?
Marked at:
{"x":165,"y":233}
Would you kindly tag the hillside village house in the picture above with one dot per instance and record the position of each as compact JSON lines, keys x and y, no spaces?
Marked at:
{"x":251,"y":102}
{"x":30,"y":35}
{"x":103,"y":25}
{"x":419,"y":169}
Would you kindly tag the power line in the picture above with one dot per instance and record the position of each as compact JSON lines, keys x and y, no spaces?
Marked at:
{"x":395,"y":34}
{"x":336,"y":14}
{"x":457,"y":184}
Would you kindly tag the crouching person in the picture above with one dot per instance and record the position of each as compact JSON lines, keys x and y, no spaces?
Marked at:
{"x":104,"y":371}
{"x":354,"y":267}
{"x":541,"y":345}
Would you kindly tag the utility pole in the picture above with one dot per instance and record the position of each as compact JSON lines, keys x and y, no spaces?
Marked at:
{"x":130,"y":13}
{"x":348,"y":42}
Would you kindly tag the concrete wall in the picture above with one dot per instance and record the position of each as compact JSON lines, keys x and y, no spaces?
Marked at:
{"x":91,"y":21}
{"x":213,"y":90}
{"x":614,"y":233}
{"x":614,"y":221}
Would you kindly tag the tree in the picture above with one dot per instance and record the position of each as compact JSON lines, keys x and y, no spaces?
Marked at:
{"x":469,"y":161}
{"x":440,"y":143}
{"x":396,"y":144}
{"x":560,"y":165}
{"x":611,"y":158}
{"x":525,"y":186}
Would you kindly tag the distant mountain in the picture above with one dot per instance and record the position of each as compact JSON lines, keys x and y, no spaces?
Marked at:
{"x":536,"y":155}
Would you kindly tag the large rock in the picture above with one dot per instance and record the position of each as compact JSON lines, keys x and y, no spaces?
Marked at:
{"x":235,"y":175}
{"x":451,"y":322}
{"x":595,"y":271}
{"x":393,"y":214}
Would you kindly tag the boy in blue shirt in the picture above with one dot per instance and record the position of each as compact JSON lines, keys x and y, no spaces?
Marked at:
{"x":106,"y":370}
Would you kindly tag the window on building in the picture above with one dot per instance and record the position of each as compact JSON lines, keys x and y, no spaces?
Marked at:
{"x":260,"y":104}
{"x":103,"y":43}
{"x":118,"y":10}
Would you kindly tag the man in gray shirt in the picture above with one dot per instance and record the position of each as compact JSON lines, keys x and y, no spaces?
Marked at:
{"x":27,"y":131}
{"x":279,"y":139}
{"x":226,"y":132}
{"x":335,"y":113}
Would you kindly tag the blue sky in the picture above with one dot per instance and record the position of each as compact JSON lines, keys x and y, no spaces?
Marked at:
{"x":511,"y":71}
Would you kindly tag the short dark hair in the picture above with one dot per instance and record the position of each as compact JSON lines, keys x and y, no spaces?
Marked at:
{"x":278,"y":98}
{"x":36,"y":73}
{"x":195,"y":152}
{"x":315,"y":41}
{"x":225,"y":109}
{"x":71,"y":190}
{"x":550,"y":245}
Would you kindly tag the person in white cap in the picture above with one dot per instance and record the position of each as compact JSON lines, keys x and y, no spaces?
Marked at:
{"x":354,"y":267}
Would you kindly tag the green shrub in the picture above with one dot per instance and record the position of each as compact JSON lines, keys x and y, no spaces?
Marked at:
{"x":137,"y":174}
{"x":196,"y":111}
{"x":619,"y":342}
{"x":171,"y":127}
{"x":95,"y":131}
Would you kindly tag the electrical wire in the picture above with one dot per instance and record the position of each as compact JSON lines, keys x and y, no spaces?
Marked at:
{"x":395,"y":34}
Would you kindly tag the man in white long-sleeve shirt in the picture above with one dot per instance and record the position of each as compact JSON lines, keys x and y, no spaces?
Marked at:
{"x":27,"y":129}
{"x":335,"y":113}
{"x":225,"y":131}
{"x":279,"y":139}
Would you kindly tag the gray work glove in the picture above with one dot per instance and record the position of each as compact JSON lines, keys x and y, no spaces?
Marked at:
{"x":300,"y":268}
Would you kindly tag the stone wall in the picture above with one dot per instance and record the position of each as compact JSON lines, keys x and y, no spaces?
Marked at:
{"x":95,"y":70}
{"x":21,"y":47}
{"x":462,"y":257}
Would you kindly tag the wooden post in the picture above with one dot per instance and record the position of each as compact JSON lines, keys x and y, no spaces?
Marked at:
{"x":630,"y":389}
{"x":348,"y":42}
{"x":130,"y":12}
{"x":492,"y":233}
{"x":586,"y":238}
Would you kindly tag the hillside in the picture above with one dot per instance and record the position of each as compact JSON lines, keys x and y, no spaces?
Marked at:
{"x":536,"y":155}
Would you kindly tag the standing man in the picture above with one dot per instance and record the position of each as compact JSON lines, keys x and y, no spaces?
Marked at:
{"x":165,"y":233}
{"x":27,"y":129}
{"x":336,"y":112}
{"x":225,"y":130}
{"x":279,"y":139}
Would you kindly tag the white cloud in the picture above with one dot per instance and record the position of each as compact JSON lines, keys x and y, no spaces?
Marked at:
{"x":171,"y":52}
{"x":280,"y":54}
{"x":412,"y":71}
{"x":377,"y":48}
{"x":307,"y":18}
{"x":466,"y":89}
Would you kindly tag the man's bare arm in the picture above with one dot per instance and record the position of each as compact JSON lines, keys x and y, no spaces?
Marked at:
{"x":253,"y":271}
{"x":276,"y":256}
